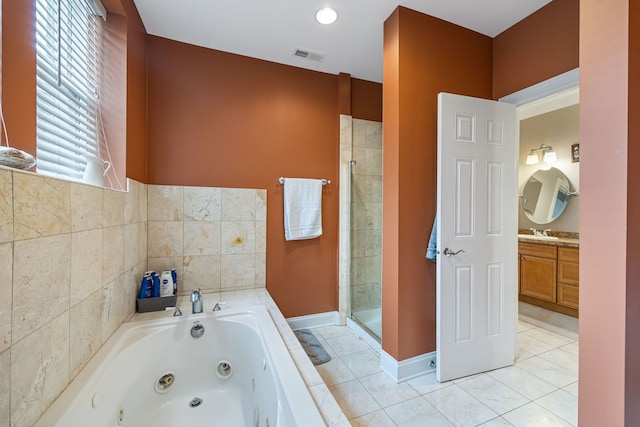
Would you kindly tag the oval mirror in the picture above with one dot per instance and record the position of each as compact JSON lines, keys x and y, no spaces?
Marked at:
{"x":545,"y":195}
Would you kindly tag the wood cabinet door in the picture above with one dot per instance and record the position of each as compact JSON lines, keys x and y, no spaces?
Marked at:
{"x":538,"y":277}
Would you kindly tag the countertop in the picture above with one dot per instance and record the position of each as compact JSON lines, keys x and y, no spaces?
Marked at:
{"x":561,"y":241}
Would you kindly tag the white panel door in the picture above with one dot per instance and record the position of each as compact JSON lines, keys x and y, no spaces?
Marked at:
{"x":477,"y":236}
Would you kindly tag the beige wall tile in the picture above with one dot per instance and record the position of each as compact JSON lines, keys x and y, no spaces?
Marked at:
{"x":6,"y":205}
{"x":132,"y":212}
{"x":202,"y":204}
{"x":202,"y":238}
{"x":373,"y":162}
{"x":373,"y":134}
{"x":86,"y":207}
{"x":6,"y":266}
{"x":164,"y":203}
{"x":5,"y":388}
{"x":166,"y":239}
{"x":237,"y":271}
{"x":373,"y":188}
{"x":143,"y":205}
{"x":114,"y":306}
{"x":346,"y":133}
{"x":359,"y":132}
{"x":238,"y":204}
{"x":373,"y":238}
{"x":261,"y":205}
{"x":85,"y":334}
{"x":39,"y":370}
{"x":131,"y":245}
{"x":112,"y":253}
{"x":41,"y":207}
{"x":261,"y":237}
{"x":41,"y":282}
{"x":373,"y":269}
{"x":112,"y":207}
{"x":260,"y":274}
{"x":86,"y":263}
{"x":135,"y":206}
{"x":359,"y":154}
{"x":238,"y":238}
{"x":142,"y":242}
{"x":201,"y":272}
{"x":131,"y":281}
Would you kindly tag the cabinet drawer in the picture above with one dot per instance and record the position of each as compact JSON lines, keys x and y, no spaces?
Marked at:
{"x":568,"y":272}
{"x":568,"y":254}
{"x":543,"y":251}
{"x":568,"y":295}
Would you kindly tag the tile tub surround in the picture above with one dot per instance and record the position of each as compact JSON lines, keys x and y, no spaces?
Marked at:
{"x":329,"y":408}
{"x":214,"y":237}
{"x":71,"y":255}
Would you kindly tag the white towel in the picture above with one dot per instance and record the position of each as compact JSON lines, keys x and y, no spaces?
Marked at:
{"x":302,"y":208}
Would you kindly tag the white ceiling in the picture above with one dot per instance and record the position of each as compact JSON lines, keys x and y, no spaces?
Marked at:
{"x":271,"y":30}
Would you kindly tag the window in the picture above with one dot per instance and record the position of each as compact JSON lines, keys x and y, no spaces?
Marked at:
{"x":68,"y":39}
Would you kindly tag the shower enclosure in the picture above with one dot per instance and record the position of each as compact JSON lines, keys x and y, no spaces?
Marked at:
{"x":361,"y":213}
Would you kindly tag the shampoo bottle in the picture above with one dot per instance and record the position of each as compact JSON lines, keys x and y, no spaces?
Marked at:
{"x":166,"y":284}
{"x":156,"y":285}
{"x":146,"y":287}
{"x":174,"y":275}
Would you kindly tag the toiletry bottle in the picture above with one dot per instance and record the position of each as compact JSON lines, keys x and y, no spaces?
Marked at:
{"x":166,"y":284}
{"x":146,"y":287}
{"x":174,"y":275}
{"x":156,"y":285}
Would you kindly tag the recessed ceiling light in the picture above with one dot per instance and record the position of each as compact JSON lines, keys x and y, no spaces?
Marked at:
{"x":326,"y":15}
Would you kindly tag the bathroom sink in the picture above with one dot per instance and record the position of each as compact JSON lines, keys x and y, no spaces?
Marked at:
{"x":531,"y":236}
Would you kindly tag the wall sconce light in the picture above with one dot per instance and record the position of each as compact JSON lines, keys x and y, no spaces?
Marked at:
{"x":548,"y":155}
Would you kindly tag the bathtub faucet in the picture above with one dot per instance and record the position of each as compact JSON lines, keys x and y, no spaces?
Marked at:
{"x":196,"y":301}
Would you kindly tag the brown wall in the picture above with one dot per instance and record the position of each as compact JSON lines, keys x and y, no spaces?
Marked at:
{"x":537,"y":48}
{"x":366,"y":100}
{"x":19,"y":73}
{"x":412,"y":80}
{"x":136,"y":104}
{"x":217,"y":119}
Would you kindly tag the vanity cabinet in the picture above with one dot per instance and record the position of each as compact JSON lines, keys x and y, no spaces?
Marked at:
{"x":548,"y":277}
{"x":568,"y":268}
{"x":538,"y":266}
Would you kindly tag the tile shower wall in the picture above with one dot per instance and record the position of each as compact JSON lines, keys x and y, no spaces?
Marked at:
{"x":215,"y":237}
{"x":71,"y":255}
{"x":366,"y":215}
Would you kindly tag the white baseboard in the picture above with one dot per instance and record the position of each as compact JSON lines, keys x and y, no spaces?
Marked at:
{"x":314,"y":320}
{"x":408,"y":368}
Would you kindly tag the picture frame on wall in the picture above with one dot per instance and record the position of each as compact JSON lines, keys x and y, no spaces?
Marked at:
{"x":575,"y":153}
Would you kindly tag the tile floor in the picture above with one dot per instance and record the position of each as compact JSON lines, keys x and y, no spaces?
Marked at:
{"x":541,"y":389}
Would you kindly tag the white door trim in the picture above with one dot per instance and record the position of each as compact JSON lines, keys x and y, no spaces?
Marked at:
{"x":550,"y":87}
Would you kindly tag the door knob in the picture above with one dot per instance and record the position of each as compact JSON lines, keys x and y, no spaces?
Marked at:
{"x":449,"y":252}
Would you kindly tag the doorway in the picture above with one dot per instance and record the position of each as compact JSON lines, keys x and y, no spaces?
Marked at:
{"x":548,"y":114}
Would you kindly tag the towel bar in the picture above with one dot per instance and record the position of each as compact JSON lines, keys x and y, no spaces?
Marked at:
{"x":324,"y":181}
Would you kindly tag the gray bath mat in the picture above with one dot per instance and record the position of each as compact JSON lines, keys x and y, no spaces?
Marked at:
{"x":312,"y":347}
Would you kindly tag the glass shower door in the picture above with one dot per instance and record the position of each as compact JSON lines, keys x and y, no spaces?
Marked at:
{"x":366,"y":227}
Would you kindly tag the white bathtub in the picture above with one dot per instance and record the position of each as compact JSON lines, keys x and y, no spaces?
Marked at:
{"x":120,"y":385}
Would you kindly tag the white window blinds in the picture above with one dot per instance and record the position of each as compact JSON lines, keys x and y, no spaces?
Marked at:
{"x":68,"y":38}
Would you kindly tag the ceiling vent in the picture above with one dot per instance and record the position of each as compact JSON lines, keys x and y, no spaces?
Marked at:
{"x":308,"y":54}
